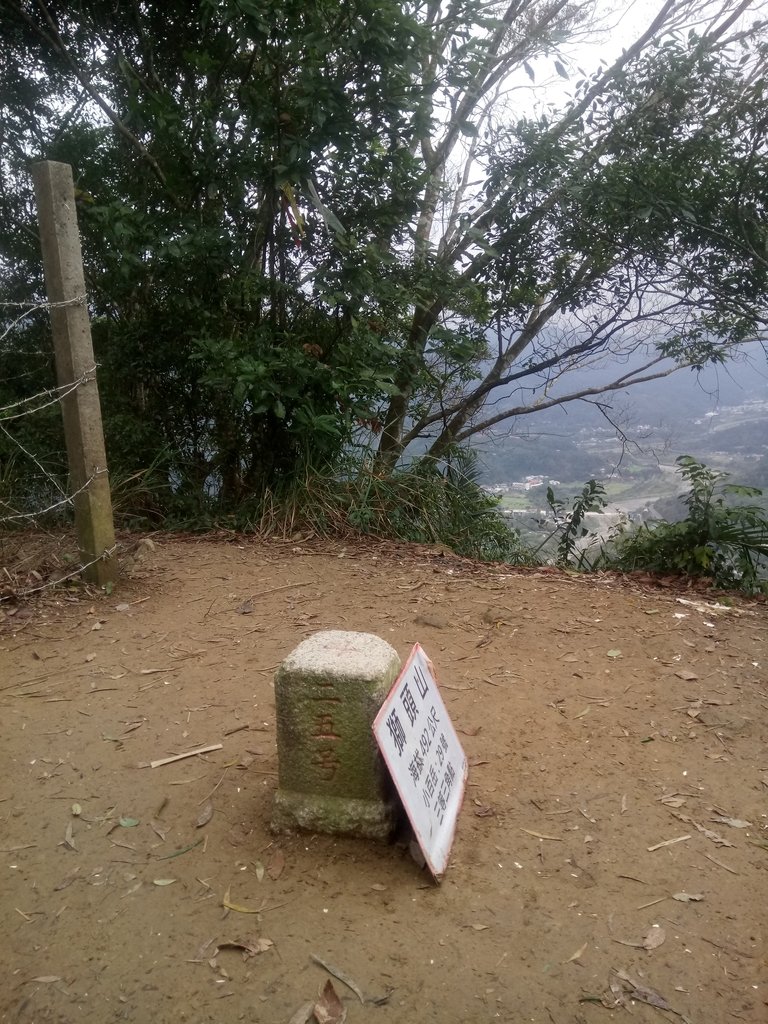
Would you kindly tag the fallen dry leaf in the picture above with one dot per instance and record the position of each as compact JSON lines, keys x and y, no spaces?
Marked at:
{"x":205,"y":815}
{"x":578,"y":954}
{"x":303,"y":1015}
{"x":643,"y":994}
{"x":276,"y":865}
{"x":159,"y":831}
{"x":706,"y":832}
{"x":732,"y":822}
{"x":686,"y":674}
{"x":69,"y":839}
{"x":329,"y":1009}
{"x":673,"y":799}
{"x":654,"y":937}
{"x":67,"y":881}
{"x":341,"y":975}
{"x":238,"y":907}
{"x":249,"y":949}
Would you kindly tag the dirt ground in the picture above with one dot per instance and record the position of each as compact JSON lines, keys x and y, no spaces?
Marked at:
{"x":611,"y":853}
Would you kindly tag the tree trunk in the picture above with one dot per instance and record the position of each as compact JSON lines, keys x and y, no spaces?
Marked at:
{"x":391,"y":440}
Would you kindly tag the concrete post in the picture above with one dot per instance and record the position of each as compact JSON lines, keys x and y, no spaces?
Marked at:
{"x":332,"y":777}
{"x":65,"y":283}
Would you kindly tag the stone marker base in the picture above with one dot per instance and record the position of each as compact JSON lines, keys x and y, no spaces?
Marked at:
{"x":333,"y":815}
{"x":331,"y":776}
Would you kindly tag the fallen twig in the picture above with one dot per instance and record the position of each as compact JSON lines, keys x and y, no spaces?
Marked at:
{"x":237,"y":728}
{"x":539,"y":835}
{"x":720,"y":864}
{"x":667,"y":842}
{"x":188,"y":753}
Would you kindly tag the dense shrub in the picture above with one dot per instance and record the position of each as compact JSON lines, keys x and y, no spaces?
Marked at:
{"x":719,"y":539}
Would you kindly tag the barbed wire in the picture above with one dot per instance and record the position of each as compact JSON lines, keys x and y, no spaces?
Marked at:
{"x":48,"y":476}
{"x":32,"y":307}
{"x":70,"y":575}
{"x":45,"y":398}
{"x":46,"y":485}
{"x":59,"y":392}
{"x":68,"y":499}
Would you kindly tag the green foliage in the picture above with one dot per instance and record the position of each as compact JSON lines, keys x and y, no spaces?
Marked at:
{"x":303,"y":221}
{"x":232,"y":191}
{"x":435,"y":503}
{"x":718,"y":540}
{"x":569,"y":519}
{"x":426,"y":503}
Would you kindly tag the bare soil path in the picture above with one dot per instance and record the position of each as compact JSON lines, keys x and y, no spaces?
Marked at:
{"x":603,"y":722}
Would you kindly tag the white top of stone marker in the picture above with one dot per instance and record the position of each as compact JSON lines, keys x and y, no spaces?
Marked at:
{"x":357,"y":655}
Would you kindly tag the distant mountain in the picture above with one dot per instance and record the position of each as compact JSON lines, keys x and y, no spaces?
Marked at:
{"x":716,"y":410}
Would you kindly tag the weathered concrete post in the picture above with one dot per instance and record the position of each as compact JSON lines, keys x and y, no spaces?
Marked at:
{"x":76,"y":368}
{"x":331,"y":776}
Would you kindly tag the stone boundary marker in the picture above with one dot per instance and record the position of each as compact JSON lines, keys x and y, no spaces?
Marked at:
{"x":331,"y":776}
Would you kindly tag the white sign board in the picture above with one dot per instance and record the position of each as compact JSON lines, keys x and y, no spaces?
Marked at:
{"x":424,"y":757}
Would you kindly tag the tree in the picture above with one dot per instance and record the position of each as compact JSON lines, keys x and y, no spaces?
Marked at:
{"x":630,"y":225}
{"x":303,"y":219}
{"x":224,"y":313}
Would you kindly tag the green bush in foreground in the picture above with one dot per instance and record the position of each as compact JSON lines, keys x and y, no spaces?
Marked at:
{"x":569,"y":520}
{"x":427,"y":503}
{"x":726,"y":543}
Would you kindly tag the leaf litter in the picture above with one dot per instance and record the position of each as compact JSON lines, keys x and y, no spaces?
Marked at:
{"x":249,"y":949}
{"x":722,"y":819}
{"x":714,"y":837}
{"x":276,"y":865}
{"x":304,"y":1014}
{"x":239,"y":907}
{"x":643,"y":994}
{"x":205,"y":815}
{"x":342,"y":976}
{"x":578,"y":954}
{"x":653,"y":938}
{"x":184,"y":849}
{"x":69,"y":839}
{"x":329,"y":1009}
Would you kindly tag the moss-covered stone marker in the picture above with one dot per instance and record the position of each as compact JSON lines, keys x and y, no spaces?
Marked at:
{"x":331,"y":777}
